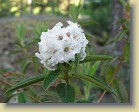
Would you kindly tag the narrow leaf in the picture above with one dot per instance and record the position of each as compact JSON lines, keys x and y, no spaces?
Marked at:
{"x":66,"y":93}
{"x":120,"y":88}
{"x":118,"y":37}
{"x":24,"y":65}
{"x":87,"y":23}
{"x":96,"y":58}
{"x":96,"y":82}
{"x":23,"y":98}
{"x":73,"y":12}
{"x":50,"y":78}
{"x":26,"y":82}
{"x":109,"y":73}
{"x":94,"y":68}
{"x":127,"y":52}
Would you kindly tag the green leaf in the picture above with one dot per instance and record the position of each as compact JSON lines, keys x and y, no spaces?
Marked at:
{"x":127,"y":52}
{"x":96,"y":58}
{"x":20,"y":32}
{"x":77,"y":89}
{"x":50,"y":78}
{"x":94,"y":68}
{"x":92,"y":97}
{"x":15,"y":52}
{"x":24,"y":65}
{"x":23,"y":98}
{"x":36,"y":64}
{"x":110,"y":73}
{"x":86,"y":23}
{"x":66,"y":93}
{"x":106,"y":66}
{"x":125,"y":4}
{"x":26,"y":82}
{"x":118,"y":37}
{"x":120,"y":88}
{"x":96,"y":82}
{"x":73,"y":12}
{"x":89,"y":35}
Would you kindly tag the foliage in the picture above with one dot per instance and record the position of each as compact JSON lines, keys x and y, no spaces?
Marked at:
{"x":74,"y":81}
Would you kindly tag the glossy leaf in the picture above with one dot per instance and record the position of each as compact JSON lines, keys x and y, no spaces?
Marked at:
{"x":96,"y":58}
{"x":50,"y":78}
{"x":66,"y":93}
{"x":26,"y":82}
{"x":96,"y":82}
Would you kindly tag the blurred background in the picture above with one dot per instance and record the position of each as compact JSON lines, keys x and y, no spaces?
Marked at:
{"x":22,"y":21}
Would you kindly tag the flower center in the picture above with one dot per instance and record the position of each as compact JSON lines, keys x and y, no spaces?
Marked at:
{"x":66,"y":49}
{"x":60,"y":37}
{"x":54,"y":51}
{"x":68,"y":34}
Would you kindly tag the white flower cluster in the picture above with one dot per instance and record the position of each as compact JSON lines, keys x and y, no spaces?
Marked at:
{"x":60,"y":44}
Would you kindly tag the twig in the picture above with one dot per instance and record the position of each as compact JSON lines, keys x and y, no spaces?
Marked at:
{"x":5,"y":82}
{"x":35,"y":99}
{"x":116,"y":71}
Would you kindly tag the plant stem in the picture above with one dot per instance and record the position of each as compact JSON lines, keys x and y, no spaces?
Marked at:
{"x":35,"y":99}
{"x":116,"y":71}
{"x":66,"y":74}
{"x":7,"y":83}
{"x":66,"y":77}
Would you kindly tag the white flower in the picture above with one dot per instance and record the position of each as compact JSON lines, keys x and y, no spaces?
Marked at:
{"x":61,"y":44}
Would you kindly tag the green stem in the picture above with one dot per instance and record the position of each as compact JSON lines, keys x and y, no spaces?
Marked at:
{"x":66,"y":75}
